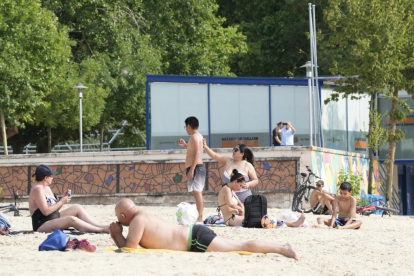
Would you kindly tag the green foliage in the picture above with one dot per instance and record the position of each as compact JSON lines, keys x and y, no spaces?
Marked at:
{"x":34,"y":50}
{"x":277,"y":36}
{"x":353,"y":179}
{"x":191,"y":37}
{"x":378,"y":134}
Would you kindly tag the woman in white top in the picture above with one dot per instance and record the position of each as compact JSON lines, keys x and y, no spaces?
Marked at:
{"x":243,"y":162}
{"x":228,"y":203}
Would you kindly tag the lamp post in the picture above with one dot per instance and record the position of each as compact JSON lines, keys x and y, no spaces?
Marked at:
{"x":80,"y":87}
{"x":308,"y":66}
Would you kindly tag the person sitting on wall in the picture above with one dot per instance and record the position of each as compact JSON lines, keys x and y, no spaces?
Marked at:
{"x":44,"y":207}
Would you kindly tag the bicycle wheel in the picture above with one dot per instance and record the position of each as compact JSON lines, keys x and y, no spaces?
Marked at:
{"x":301,"y":200}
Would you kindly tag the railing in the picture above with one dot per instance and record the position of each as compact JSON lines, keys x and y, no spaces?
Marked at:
{"x":396,"y":202}
{"x":28,"y":149}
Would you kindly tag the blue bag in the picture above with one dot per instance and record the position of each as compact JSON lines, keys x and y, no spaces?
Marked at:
{"x":55,"y":241}
{"x":4,"y":223}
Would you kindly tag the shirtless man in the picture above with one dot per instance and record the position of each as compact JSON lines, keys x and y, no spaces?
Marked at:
{"x":196,"y":172}
{"x":321,"y":200}
{"x":151,"y":232}
{"x":346,"y":204}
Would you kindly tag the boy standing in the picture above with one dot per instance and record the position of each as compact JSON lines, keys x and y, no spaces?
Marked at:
{"x":196,"y":172}
{"x":345,"y":204}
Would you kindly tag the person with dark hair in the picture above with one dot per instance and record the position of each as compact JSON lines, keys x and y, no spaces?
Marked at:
{"x":195,"y":172}
{"x":243,"y":161}
{"x":277,"y":139}
{"x":44,"y":207}
{"x":233,"y":209}
{"x":150,"y":232}
{"x":344,"y":210}
{"x":228,"y":203}
{"x":287,"y":132}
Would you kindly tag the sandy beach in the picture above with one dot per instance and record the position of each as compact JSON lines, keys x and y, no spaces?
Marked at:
{"x":383,"y":246}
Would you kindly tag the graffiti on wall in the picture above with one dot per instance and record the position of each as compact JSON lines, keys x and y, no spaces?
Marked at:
{"x":273,"y":175}
{"x":327,"y":164}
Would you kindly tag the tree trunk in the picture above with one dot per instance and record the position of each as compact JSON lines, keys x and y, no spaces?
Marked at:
{"x":391,"y":142}
{"x":3,"y":131}
{"x":18,"y":147}
{"x":370,"y":150}
{"x":102,"y":127}
{"x":49,"y":139}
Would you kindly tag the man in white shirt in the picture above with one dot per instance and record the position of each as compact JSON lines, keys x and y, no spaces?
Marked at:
{"x":287,"y":133}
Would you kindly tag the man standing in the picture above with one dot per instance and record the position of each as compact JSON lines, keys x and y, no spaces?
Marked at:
{"x":196,"y":172}
{"x":276,"y":135}
{"x":287,"y":132}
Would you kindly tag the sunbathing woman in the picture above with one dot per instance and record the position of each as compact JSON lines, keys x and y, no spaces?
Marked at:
{"x":231,"y":206}
{"x":44,"y":207}
{"x":243,"y":161}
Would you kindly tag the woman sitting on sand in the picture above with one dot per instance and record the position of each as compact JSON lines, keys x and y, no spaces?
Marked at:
{"x":44,"y":207}
{"x":231,"y":206}
{"x":243,"y":161}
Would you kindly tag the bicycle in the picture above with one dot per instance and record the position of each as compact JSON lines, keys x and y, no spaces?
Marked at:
{"x":375,"y":206}
{"x":13,"y":207}
{"x":301,"y":197}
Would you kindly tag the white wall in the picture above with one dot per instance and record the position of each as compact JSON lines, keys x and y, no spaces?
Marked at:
{"x":172,"y":103}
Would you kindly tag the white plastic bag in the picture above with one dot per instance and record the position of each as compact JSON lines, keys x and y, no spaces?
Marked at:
{"x":186,"y":214}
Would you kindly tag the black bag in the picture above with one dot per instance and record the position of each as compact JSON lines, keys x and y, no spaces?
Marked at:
{"x":255,"y":207}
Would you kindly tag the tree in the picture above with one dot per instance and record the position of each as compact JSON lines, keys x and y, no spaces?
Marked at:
{"x":373,"y":40}
{"x":33,"y":51}
{"x":191,"y":37}
{"x":113,"y":34}
{"x":276,"y":34}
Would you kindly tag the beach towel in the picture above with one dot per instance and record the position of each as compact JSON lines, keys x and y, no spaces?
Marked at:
{"x":143,"y":250}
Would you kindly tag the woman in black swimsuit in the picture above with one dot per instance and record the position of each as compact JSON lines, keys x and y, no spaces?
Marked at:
{"x":44,"y":207}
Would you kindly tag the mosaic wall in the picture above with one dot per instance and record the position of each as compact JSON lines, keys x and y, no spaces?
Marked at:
{"x":273,"y":175}
{"x":328,"y":164}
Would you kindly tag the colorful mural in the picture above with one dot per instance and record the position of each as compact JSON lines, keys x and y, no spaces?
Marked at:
{"x":328,"y":163}
{"x":274,"y":175}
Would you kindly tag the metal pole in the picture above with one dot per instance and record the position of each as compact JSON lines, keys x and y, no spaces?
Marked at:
{"x":318,"y":102}
{"x":80,"y":119}
{"x":310,"y":109}
{"x":311,"y":68}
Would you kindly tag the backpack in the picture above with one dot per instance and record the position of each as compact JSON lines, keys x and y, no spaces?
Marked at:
{"x":255,"y":207}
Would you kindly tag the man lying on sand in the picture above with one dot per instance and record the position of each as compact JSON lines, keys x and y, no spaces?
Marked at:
{"x":346,"y":204}
{"x":151,"y":232}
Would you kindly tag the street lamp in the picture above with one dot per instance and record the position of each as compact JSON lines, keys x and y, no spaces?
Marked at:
{"x":309,"y":75}
{"x":80,"y":86}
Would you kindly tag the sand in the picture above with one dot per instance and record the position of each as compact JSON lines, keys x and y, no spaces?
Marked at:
{"x":383,"y":246}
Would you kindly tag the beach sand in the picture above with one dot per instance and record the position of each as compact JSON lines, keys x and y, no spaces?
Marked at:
{"x":383,"y":246}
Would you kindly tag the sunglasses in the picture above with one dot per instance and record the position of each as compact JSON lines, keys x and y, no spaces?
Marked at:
{"x":235,"y":149}
{"x":319,"y":185}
